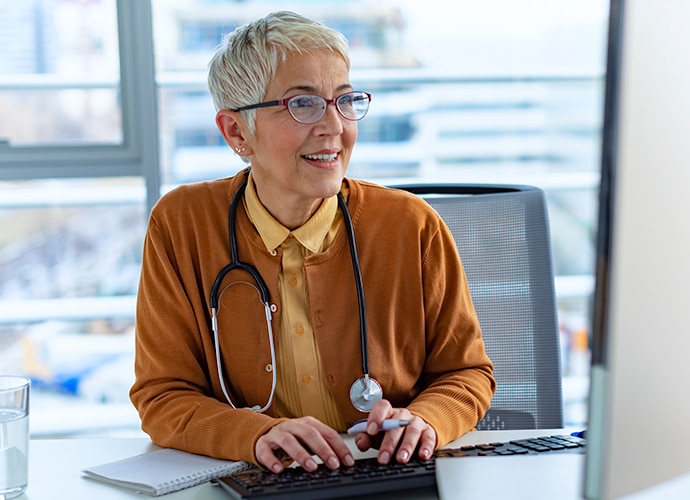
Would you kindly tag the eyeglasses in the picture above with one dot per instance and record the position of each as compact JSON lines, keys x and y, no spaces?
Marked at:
{"x":311,"y":108}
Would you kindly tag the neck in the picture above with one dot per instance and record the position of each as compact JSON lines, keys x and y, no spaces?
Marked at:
{"x":295,"y":218}
{"x":290,"y":214}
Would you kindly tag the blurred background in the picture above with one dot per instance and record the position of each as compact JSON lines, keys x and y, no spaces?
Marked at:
{"x":94,"y":126}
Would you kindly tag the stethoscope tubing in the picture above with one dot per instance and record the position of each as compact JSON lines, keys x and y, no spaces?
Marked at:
{"x":235,"y":262}
{"x":363,"y":331}
{"x":264,"y":294}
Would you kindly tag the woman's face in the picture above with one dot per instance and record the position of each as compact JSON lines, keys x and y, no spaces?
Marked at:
{"x":296,"y":165}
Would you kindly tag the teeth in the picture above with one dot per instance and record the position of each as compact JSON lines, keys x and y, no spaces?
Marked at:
{"x":330,"y":157}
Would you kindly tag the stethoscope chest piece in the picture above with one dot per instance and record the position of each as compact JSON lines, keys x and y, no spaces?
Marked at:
{"x":365,"y":391}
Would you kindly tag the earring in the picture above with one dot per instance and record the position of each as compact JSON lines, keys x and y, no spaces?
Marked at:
{"x":240,"y":149}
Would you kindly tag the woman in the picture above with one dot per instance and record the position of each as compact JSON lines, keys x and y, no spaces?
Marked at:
{"x":220,"y":374}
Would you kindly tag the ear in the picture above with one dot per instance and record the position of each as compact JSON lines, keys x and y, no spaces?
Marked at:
{"x":233,"y":129}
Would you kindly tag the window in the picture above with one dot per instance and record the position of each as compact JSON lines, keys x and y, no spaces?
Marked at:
{"x":93,"y":120}
{"x":62,"y":74}
{"x":78,"y":156}
{"x":70,"y":109}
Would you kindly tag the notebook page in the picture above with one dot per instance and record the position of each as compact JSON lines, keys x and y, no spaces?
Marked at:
{"x":163,"y":471}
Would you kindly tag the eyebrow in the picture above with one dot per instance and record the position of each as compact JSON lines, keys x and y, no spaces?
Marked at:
{"x":311,"y":89}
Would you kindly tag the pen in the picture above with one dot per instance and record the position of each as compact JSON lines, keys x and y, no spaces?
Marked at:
{"x":391,"y":423}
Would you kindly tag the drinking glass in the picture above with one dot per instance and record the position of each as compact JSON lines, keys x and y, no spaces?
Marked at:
{"x":14,"y":435}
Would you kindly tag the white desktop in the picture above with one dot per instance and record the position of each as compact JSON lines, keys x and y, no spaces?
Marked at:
{"x":639,"y":406}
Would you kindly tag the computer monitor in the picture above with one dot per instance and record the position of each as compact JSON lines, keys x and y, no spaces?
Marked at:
{"x":639,"y":418}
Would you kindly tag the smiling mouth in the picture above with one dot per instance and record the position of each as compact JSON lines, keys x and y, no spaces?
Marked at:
{"x":321,"y":157}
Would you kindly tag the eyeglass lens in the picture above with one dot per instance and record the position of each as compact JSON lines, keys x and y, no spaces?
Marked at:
{"x":310,"y":108}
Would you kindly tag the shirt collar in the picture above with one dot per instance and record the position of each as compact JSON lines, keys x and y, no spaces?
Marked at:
{"x":311,"y":234}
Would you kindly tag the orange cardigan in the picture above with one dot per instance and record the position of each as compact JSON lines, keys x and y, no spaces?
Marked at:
{"x":425,"y":344}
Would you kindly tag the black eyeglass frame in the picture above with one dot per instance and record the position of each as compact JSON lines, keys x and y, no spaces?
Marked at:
{"x":286,"y":102}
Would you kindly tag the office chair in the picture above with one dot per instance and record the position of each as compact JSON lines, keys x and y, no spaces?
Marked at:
{"x":502,"y":234}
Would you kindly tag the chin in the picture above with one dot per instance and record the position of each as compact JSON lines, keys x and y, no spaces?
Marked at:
{"x":330,"y":190}
{"x":330,"y":184}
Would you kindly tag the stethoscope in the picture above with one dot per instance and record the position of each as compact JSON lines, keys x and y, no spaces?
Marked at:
{"x":365,"y":391}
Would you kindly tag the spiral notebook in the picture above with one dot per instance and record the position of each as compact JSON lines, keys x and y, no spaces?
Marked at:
{"x":163,"y":471}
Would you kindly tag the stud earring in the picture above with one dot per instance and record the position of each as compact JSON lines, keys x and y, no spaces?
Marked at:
{"x":240,"y":149}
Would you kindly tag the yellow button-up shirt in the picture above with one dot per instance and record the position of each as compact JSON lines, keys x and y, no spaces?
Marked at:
{"x":300,"y":388}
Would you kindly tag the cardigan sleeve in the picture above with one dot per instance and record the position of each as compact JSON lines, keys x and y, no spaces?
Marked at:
{"x":174,"y":386}
{"x":458,"y":375}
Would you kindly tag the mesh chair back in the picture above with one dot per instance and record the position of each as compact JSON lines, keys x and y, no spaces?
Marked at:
{"x":502,"y":234}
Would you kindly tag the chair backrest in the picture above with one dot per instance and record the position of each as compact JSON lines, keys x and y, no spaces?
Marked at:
{"x":502,"y":234}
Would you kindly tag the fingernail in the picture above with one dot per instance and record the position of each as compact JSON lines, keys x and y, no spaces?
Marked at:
{"x":371,"y":428}
{"x":385,"y":457}
{"x":277,"y":468}
{"x":333,"y":463}
{"x":310,"y":464}
{"x":349,"y":461}
{"x":403,"y":456}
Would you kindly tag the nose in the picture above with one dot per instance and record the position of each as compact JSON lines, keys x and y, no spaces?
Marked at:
{"x":331,"y":123}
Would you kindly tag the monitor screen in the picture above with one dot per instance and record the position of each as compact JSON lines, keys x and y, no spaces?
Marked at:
{"x":639,"y":419}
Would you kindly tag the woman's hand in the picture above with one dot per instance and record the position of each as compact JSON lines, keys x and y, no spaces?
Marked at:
{"x":299,"y":439}
{"x":401,"y":442}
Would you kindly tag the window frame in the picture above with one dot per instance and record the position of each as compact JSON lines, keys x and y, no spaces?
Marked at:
{"x":138,"y":154}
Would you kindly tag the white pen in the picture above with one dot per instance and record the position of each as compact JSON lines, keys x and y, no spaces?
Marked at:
{"x":391,"y":423}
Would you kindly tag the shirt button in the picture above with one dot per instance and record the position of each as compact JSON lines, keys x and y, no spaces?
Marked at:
{"x":269,"y":368}
{"x":306,"y":379}
{"x":274,"y":252}
{"x":299,"y":331}
{"x":292,"y":281}
{"x":274,"y":308}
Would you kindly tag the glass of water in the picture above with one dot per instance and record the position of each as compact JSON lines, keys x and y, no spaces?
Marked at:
{"x":14,"y":435}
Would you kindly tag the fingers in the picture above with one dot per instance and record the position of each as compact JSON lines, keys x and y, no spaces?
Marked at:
{"x":300,"y":439}
{"x":381,"y":411}
{"x":400,"y":443}
{"x":371,"y":438}
{"x":427,"y":443}
{"x":418,"y":436}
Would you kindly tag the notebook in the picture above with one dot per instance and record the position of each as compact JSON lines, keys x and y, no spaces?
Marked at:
{"x":163,"y":471}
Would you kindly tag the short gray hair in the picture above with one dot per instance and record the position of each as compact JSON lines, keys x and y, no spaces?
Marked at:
{"x":247,"y":59}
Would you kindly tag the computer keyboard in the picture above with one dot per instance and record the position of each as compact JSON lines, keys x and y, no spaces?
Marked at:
{"x":560,"y":443}
{"x":367,"y":476}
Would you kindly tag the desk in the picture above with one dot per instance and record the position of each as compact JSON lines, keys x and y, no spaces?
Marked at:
{"x":55,"y":469}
